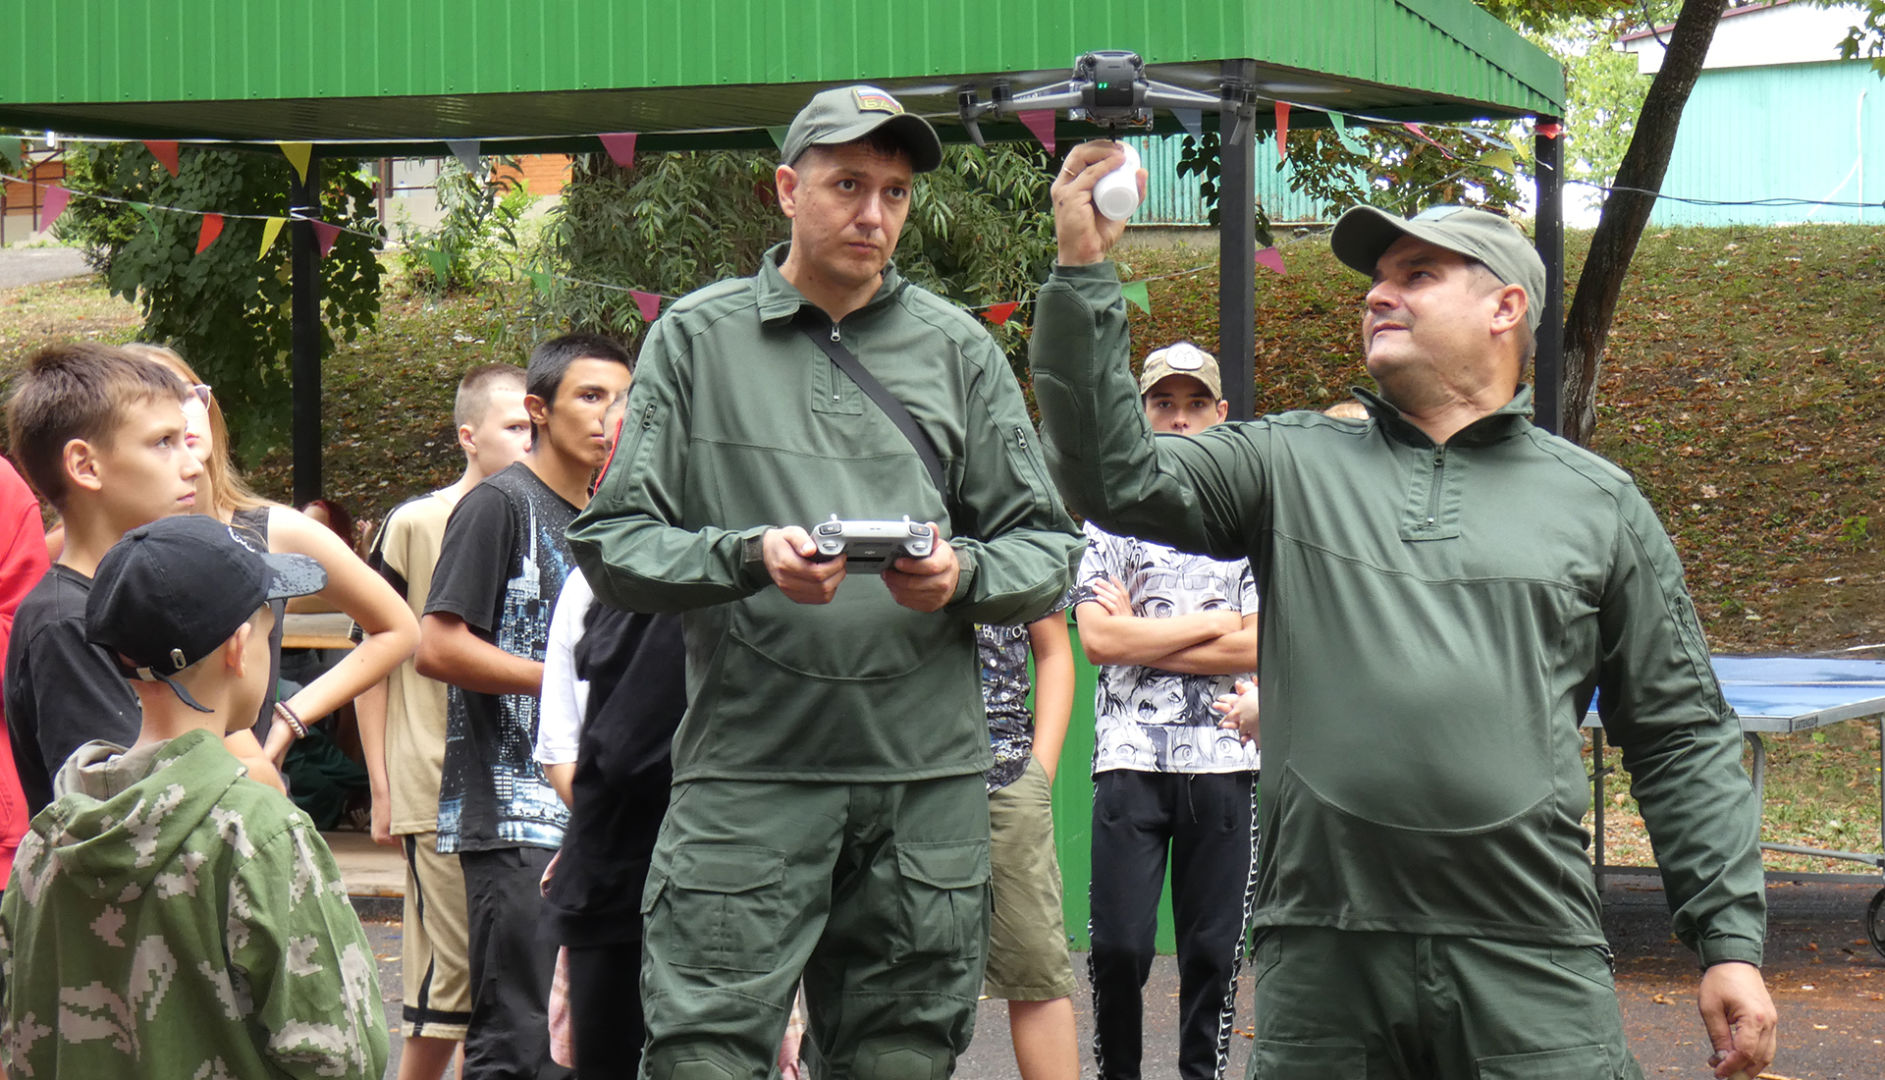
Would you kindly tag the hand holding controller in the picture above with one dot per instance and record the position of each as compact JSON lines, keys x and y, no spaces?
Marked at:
{"x":871,"y":546}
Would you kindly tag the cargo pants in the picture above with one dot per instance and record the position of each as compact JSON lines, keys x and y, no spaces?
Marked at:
{"x":877,"y":893}
{"x":1355,"y":1005}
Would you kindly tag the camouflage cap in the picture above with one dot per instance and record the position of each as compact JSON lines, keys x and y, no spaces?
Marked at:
{"x":1183,"y":358}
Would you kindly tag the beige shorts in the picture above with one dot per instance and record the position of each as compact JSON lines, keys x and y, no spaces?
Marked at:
{"x":434,"y":961}
{"x":1027,"y":939}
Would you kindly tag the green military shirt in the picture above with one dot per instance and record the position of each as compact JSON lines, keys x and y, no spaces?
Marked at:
{"x":1434,"y":621}
{"x":738,"y":423}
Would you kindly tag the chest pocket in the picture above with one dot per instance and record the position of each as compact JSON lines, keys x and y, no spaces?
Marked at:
{"x":832,"y":390}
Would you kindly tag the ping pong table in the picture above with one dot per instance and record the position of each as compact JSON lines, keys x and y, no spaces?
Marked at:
{"x":1783,"y":695}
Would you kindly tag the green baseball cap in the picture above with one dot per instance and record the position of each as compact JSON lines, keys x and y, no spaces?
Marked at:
{"x":845,"y":114}
{"x":1364,"y":233}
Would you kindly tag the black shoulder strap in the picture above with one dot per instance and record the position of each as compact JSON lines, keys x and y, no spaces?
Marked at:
{"x":825,"y":338}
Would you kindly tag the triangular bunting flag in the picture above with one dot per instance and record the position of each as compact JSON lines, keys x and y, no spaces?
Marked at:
{"x":165,"y":151}
{"x":270,"y":230}
{"x":621,"y":148}
{"x":539,"y":278}
{"x":441,"y":264}
{"x":466,"y":151}
{"x":999,"y":314}
{"x":778,"y":136}
{"x":49,"y":211}
{"x":326,"y":234}
{"x":212,"y":228}
{"x":1501,"y":160}
{"x":142,"y":210}
{"x":1282,"y":131}
{"x":1551,"y":130}
{"x":297,"y":154}
{"x":1421,"y":134}
{"x":9,"y":148}
{"x":1041,"y":123}
{"x":647,"y":303}
{"x":1192,"y":120}
{"x":1137,"y":294}
{"x":1272,"y":260}
{"x":1339,"y":124}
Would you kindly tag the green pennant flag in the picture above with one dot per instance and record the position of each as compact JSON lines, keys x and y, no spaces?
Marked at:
{"x":441,"y":265}
{"x":778,"y":136}
{"x":1134,"y":292}
{"x":1339,"y":124}
{"x":539,"y":278}
{"x":143,"y":209}
{"x":9,"y":149}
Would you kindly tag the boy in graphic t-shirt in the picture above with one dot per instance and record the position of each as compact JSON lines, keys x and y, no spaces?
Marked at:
{"x":486,"y":623}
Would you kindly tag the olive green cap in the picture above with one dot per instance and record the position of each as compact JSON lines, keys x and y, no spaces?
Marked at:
{"x":848,"y":113}
{"x":1364,"y":233}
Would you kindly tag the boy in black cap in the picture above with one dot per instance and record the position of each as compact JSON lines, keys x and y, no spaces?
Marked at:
{"x":168,"y":916}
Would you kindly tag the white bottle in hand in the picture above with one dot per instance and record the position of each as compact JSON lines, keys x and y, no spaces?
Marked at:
{"x":1117,"y":193}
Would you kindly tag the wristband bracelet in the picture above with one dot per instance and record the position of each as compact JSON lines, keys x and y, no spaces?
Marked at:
{"x":288,"y":717}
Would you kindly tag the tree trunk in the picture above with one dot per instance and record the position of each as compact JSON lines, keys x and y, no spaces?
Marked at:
{"x":1625,"y":213}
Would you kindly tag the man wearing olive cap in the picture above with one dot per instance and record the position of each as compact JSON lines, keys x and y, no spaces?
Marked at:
{"x":829,"y":815}
{"x":1444,"y":587}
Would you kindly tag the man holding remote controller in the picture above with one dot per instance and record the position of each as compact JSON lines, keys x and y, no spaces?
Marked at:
{"x":829,"y":815}
{"x":1443,"y":588}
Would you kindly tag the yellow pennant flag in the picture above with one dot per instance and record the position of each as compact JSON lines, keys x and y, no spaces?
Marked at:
{"x":1499,"y":159}
{"x":297,"y":154}
{"x":270,"y":230}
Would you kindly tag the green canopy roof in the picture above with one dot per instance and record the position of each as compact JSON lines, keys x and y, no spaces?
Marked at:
{"x":379,"y":77}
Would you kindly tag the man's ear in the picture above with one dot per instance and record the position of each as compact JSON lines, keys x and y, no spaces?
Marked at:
{"x":785,"y":181}
{"x":1510,"y":312}
{"x":237,"y":650}
{"x":1223,"y":410}
{"x":538,"y":409}
{"x":79,"y":459}
{"x":467,"y":439}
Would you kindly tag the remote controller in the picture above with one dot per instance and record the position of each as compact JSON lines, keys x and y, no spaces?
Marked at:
{"x":870,"y":546}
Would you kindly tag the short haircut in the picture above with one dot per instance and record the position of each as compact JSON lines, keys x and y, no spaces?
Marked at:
{"x":475,"y":390}
{"x":77,"y":390}
{"x":550,"y":360}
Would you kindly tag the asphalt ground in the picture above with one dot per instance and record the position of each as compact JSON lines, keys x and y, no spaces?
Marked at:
{"x":1826,"y":979}
{"x":29,"y":266}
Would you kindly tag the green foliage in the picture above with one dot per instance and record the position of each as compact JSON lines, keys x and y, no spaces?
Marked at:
{"x":980,"y":231}
{"x":226,"y":311}
{"x":1867,"y":37}
{"x":477,"y":235}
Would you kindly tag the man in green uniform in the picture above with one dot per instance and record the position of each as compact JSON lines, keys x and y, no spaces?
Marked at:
{"x":1443,"y":588}
{"x":829,"y":815}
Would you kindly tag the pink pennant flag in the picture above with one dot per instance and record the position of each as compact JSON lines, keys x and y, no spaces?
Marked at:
{"x":999,"y":314}
{"x":1041,"y":123}
{"x":49,"y":211}
{"x":326,"y":234}
{"x":1282,"y":131}
{"x":621,"y":147}
{"x":1421,"y":134}
{"x":1272,"y":260}
{"x":647,"y":303}
{"x":212,"y":228}
{"x":165,"y":151}
{"x":1551,"y":130}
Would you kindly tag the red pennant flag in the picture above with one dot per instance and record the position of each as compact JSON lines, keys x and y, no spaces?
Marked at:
{"x":326,"y":234}
{"x":49,"y":211}
{"x":999,"y":314}
{"x":165,"y":151}
{"x":1271,"y":259}
{"x":621,"y":148}
{"x":1282,"y":131}
{"x":212,"y":228}
{"x":647,"y":303}
{"x":1421,"y":134}
{"x":1551,"y":130}
{"x":1041,"y":123}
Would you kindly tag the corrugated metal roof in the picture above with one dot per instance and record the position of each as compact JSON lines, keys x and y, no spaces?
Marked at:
{"x":423,"y":70}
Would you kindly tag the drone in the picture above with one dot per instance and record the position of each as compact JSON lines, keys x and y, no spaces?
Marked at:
{"x":1110,"y":88}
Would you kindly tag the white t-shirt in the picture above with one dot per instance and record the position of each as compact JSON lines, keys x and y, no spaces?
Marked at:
{"x":1160,"y":721}
{"x":565,"y":699}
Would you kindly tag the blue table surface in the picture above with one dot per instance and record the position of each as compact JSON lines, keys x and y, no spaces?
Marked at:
{"x":1783,"y":688}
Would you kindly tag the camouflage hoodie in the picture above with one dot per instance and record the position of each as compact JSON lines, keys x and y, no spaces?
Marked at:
{"x":168,"y":917}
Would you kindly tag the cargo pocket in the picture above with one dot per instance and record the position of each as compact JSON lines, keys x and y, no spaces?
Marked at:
{"x":945,"y":900}
{"x":724,"y":909}
{"x":1573,"y":1063}
{"x":1277,"y":1060}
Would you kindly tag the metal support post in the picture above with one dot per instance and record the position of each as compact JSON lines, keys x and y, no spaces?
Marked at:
{"x":1548,"y":369}
{"x":1237,"y":254}
{"x":305,"y":342}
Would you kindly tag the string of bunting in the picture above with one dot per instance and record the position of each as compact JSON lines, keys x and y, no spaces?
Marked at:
{"x":620,"y":146}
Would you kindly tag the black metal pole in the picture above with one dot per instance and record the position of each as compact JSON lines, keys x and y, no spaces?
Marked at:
{"x":1237,"y":254}
{"x":1548,"y":369}
{"x":305,"y":264}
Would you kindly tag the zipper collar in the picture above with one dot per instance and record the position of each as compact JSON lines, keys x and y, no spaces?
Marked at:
{"x":780,"y":301}
{"x":1507,"y":421}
